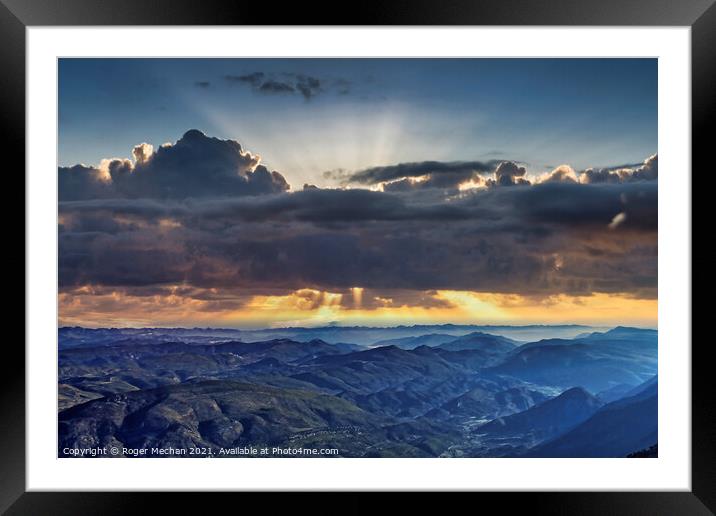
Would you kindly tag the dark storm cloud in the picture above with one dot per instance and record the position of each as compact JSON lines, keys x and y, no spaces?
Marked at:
{"x":195,"y":166}
{"x":563,"y":206}
{"x":82,"y":182}
{"x":577,"y":207}
{"x":445,"y":180}
{"x":189,"y":215}
{"x":463,"y":169}
{"x":412,"y":177}
{"x":313,"y":205}
{"x":546,"y":239}
{"x":302,"y":84}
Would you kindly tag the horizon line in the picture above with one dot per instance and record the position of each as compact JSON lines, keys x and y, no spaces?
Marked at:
{"x":330,"y":326}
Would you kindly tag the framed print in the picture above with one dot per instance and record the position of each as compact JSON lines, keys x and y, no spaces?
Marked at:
{"x":425,"y":249}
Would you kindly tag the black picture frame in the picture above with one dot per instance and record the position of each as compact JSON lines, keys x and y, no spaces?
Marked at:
{"x":17,"y":15}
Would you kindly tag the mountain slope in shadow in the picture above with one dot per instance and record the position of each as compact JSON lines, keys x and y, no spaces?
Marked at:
{"x":616,"y":430}
{"x":547,"y":419}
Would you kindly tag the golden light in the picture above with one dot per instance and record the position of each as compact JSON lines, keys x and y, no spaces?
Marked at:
{"x":357,"y":296}
{"x":472,"y":184}
{"x":309,"y":307}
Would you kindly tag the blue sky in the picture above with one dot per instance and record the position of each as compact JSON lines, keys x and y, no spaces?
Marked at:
{"x":366,"y":112}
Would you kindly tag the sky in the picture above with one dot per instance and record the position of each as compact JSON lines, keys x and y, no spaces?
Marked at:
{"x":274,"y":192}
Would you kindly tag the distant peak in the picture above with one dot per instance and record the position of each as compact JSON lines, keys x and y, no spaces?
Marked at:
{"x":390,"y":347}
{"x":619,"y":329}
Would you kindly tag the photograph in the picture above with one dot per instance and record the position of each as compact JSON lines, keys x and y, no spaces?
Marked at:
{"x":379,"y":257}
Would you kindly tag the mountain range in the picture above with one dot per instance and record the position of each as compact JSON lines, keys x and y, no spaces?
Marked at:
{"x":450,"y":391}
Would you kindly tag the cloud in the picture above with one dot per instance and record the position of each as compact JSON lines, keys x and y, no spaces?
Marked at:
{"x":142,"y":153}
{"x":195,"y":166}
{"x":276,"y":87}
{"x":288,"y":83}
{"x":498,"y":240}
{"x":202,"y":84}
{"x":561,"y":174}
{"x":646,"y":171}
{"x":314,"y":205}
{"x":411,"y":177}
{"x":447,"y":175}
{"x":649,"y":170}
{"x":308,"y":86}
{"x":602,"y":175}
{"x":83,"y":182}
{"x":576,"y":207}
{"x":437,"y":173}
{"x":509,"y":173}
{"x":205,"y":214}
{"x":254,"y":79}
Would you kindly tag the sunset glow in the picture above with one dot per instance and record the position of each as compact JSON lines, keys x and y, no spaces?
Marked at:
{"x":309,"y":307}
